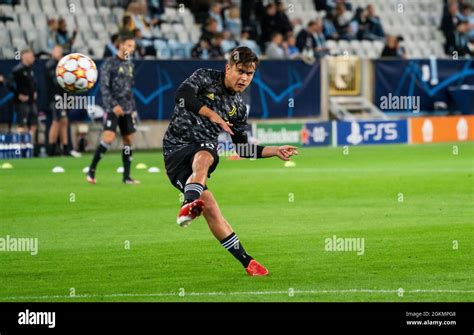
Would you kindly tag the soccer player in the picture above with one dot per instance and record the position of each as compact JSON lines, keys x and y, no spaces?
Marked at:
{"x":208,"y":102}
{"x":116,"y":81}
{"x":59,"y":124}
{"x":24,"y":87}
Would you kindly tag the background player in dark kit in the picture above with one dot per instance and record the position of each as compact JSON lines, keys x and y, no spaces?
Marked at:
{"x":24,"y":87}
{"x":116,"y":82}
{"x":206,"y":103}
{"x":59,"y":117}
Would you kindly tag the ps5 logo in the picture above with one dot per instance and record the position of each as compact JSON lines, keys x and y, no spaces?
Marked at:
{"x":386,"y":131}
{"x":372,"y":131}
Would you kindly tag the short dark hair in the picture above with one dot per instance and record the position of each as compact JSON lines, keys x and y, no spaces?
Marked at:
{"x":126,"y":20}
{"x":210,"y":20}
{"x":243,"y":55}
{"x":125,"y":38}
{"x":26,"y":51}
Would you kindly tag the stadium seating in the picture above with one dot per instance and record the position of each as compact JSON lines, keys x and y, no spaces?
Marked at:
{"x":97,"y":20}
{"x":418,"y":22}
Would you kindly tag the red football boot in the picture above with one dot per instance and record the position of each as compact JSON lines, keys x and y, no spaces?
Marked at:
{"x":256,"y":269}
{"x":189,"y":212}
{"x":91,"y":179}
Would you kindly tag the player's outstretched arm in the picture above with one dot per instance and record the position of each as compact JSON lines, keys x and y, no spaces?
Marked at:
{"x":246,"y":150}
{"x":284,"y":152}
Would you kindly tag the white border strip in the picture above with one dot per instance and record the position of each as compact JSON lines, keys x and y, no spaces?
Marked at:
{"x":289,"y":292}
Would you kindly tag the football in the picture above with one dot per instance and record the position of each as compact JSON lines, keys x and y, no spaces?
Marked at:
{"x":76,"y":73}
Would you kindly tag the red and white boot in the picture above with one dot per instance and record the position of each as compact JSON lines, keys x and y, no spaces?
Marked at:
{"x":256,"y":269}
{"x":189,"y":212}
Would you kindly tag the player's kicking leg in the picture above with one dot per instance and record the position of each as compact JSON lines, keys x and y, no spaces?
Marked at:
{"x":193,"y":206}
{"x":108,"y":137}
{"x":223,"y":232}
{"x":127,"y":160}
{"x":197,"y":201}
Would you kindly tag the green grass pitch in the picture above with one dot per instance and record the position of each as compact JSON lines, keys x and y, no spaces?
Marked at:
{"x":418,"y":249}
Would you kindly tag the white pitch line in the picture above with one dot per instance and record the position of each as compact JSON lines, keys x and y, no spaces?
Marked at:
{"x":89,"y":296}
{"x":287,"y":292}
{"x":369,"y":170}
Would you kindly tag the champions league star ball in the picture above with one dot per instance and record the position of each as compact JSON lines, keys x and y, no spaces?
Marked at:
{"x":76,"y":73}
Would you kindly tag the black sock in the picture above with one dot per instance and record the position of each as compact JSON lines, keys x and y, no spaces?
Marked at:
{"x":127,"y":161}
{"x":36,"y":150}
{"x":101,"y":150}
{"x":52,"y":149}
{"x":65,"y":149}
{"x":192,"y":191}
{"x":232,"y":244}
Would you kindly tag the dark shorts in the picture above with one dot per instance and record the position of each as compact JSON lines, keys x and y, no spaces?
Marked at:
{"x":57,"y":114}
{"x":126,"y":123}
{"x":26,"y":114}
{"x":178,"y":165}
